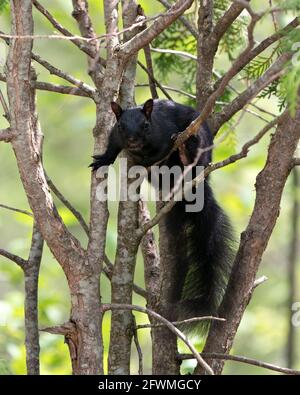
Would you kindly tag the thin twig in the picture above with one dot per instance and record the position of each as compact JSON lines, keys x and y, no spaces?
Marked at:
{"x":90,"y":91}
{"x":17,"y":210}
{"x":66,"y":202}
{"x":182,"y":19}
{"x":176,"y":331}
{"x":77,"y":40}
{"x":138,"y":347}
{"x":174,"y":52}
{"x":154,"y":80}
{"x":296,"y":162}
{"x":170,"y":88}
{"x":4,"y":106}
{"x":237,"y":358}
{"x":14,"y":258}
{"x":6,"y":135}
{"x":178,"y":323}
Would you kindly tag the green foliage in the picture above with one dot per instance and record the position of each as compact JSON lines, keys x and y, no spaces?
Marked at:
{"x":258,"y":66}
{"x":177,"y":36}
{"x":234,"y":38}
{"x":289,"y":5}
{"x":273,"y":89}
{"x":3,"y":4}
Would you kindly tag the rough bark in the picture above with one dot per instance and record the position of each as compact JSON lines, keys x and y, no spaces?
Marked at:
{"x":122,"y":322}
{"x":86,"y":351}
{"x":31,"y":276}
{"x":164,"y":351}
{"x":206,"y":49}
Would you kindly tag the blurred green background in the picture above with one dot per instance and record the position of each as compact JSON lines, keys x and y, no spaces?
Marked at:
{"x":67,"y":124}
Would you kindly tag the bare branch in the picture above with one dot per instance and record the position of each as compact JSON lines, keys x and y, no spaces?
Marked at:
{"x":138,"y":347}
{"x":259,"y":281}
{"x":296,"y":162}
{"x":96,"y":63}
{"x":169,"y":325}
{"x":63,"y":89}
{"x":59,"y":73}
{"x":174,"y":52}
{"x":274,"y":72}
{"x":210,"y":168}
{"x":24,"y":124}
{"x":262,"y":46}
{"x":184,"y":322}
{"x":88,"y":90}
{"x":182,"y":19}
{"x":146,"y":36}
{"x":66,"y":202}
{"x":6,"y":135}
{"x":51,"y":87}
{"x":244,"y":151}
{"x":4,"y":106}
{"x":81,"y":14}
{"x":17,"y":210}
{"x":226,"y":21}
{"x":237,"y":358}
{"x":154,"y":80}
{"x":79,"y":43}
{"x":14,"y":258}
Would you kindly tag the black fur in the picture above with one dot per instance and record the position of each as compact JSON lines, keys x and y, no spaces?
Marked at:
{"x":203,"y":239}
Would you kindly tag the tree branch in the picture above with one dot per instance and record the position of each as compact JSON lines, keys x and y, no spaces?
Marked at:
{"x":51,"y":87}
{"x":25,"y":126}
{"x":6,"y":135}
{"x":17,"y":210}
{"x":154,"y":80}
{"x":31,"y":276}
{"x":247,"y":58}
{"x":169,"y":325}
{"x":14,"y":258}
{"x":237,"y":358}
{"x":66,"y":202}
{"x":228,"y":111}
{"x":79,"y":43}
{"x":182,"y":19}
{"x":59,"y":73}
{"x":226,"y":21}
{"x":147,"y":35}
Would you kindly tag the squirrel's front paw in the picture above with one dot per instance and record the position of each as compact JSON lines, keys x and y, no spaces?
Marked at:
{"x":98,"y":162}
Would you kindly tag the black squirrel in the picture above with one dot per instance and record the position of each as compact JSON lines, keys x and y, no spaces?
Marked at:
{"x":203,"y":239}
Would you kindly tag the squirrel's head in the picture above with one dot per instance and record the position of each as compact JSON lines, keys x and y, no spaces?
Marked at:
{"x":134,"y":124}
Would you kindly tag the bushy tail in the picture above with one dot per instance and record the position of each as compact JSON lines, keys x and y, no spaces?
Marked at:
{"x":204,"y":251}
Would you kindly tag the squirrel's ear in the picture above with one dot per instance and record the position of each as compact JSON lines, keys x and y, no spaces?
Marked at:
{"x":148,"y":107}
{"x":116,"y":109}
